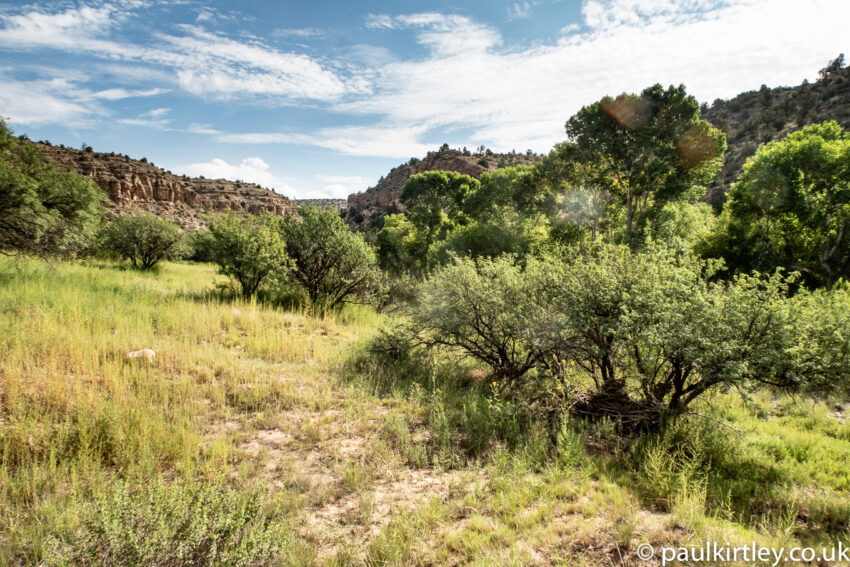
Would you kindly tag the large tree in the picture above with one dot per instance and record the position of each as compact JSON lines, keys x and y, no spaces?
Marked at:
{"x":434,"y":201}
{"x":645,"y":149}
{"x":791,"y":208}
{"x":43,"y":209}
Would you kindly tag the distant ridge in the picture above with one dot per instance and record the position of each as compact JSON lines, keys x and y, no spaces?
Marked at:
{"x":138,"y":186}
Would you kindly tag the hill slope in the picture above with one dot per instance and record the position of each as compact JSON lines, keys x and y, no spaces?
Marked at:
{"x":137,"y":185}
{"x":758,"y":117}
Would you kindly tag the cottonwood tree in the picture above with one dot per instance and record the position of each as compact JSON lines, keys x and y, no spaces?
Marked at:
{"x":791,"y":208}
{"x":645,"y":149}
{"x":433,"y":201}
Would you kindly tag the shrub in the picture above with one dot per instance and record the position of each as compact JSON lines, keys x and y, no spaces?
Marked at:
{"x":331,"y":263}
{"x":482,"y":310}
{"x":144,"y":240}
{"x":179,"y":525}
{"x":635,"y":338}
{"x":249,"y":250}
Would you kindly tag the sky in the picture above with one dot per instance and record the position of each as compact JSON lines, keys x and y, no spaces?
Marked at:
{"x":319,"y":99}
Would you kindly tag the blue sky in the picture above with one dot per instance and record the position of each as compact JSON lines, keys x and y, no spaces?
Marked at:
{"x":319,"y":99}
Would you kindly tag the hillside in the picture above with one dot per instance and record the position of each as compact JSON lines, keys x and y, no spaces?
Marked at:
{"x":138,"y":185}
{"x":367,"y":208}
{"x":338,"y":204}
{"x":757,"y":117}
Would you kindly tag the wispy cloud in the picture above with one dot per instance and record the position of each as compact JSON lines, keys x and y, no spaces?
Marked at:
{"x":520,"y":10}
{"x":154,"y":118}
{"x":204,"y":63}
{"x":53,"y":101}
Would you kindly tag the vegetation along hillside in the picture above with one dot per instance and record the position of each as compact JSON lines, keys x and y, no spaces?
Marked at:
{"x":139,"y":186}
{"x":756,"y":117}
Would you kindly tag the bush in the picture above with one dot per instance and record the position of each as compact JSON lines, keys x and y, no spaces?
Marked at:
{"x":144,"y":240}
{"x":481,"y":309}
{"x":331,"y":263}
{"x":179,"y":525}
{"x":634,"y":338}
{"x":249,"y":250}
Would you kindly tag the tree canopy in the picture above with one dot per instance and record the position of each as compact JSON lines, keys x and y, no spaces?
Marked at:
{"x":791,"y":208}
{"x":645,"y":149}
{"x":43,"y":209}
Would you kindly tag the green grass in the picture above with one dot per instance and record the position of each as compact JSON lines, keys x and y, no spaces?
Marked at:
{"x":342,"y":459}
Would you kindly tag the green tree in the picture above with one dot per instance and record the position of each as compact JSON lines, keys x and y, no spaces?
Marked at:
{"x":400,"y":248}
{"x":646,"y":149}
{"x":482,"y":309}
{"x":331,"y":263}
{"x":791,"y":208}
{"x":249,"y":249}
{"x":144,"y":240}
{"x":433,"y":201}
{"x":43,"y":209}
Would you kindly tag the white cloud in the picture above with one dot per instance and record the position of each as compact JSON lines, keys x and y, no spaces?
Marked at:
{"x":442,"y":34}
{"x":252,"y":169}
{"x":520,"y":97}
{"x":339,"y":186}
{"x":203,"y":63}
{"x":119,"y":94}
{"x":52,"y":101}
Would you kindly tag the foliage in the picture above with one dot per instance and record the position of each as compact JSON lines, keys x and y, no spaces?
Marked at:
{"x":434,"y":201}
{"x":791,"y":208}
{"x":634,"y":337}
{"x":645,"y":149}
{"x":144,"y":240}
{"x":43,"y":209}
{"x":399,"y":247}
{"x":179,"y":525}
{"x":480,"y":308}
{"x":249,"y":249}
{"x":331,"y":263}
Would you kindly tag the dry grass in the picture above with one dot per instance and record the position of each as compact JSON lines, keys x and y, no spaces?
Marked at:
{"x":262,"y":397}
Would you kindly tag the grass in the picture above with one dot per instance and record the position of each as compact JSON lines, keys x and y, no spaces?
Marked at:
{"x":329,"y":450}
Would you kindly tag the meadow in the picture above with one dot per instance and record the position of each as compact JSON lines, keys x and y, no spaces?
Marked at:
{"x":260,"y":436}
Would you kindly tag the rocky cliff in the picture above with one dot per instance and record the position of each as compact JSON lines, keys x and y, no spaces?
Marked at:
{"x":366,"y":209}
{"x":137,"y":186}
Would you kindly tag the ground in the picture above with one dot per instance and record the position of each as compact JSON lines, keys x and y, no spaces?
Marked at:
{"x":358,"y":467}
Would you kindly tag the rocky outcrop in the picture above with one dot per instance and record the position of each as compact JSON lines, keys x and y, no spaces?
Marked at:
{"x":138,"y":186}
{"x":367,"y":208}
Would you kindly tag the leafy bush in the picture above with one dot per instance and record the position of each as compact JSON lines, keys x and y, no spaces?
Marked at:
{"x":144,"y":240}
{"x":634,"y":337}
{"x":179,"y":525}
{"x":481,"y":309}
{"x":331,"y":263}
{"x":248,"y":249}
